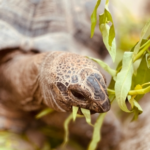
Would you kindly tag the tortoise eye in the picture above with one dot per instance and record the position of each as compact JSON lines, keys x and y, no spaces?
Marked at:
{"x":78,"y":95}
{"x":61,"y":86}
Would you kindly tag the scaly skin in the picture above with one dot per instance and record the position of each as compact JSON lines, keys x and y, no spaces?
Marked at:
{"x":58,"y":80}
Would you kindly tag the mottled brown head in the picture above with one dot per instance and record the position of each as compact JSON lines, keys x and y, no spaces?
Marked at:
{"x":72,"y":80}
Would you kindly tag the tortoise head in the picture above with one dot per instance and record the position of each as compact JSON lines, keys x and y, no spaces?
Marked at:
{"x":69,"y":79}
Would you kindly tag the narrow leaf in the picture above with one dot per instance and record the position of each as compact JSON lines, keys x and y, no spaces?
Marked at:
{"x":44,"y":113}
{"x":94,"y":17}
{"x":111,"y":71}
{"x":75,"y":110}
{"x":142,"y":75}
{"x":96,"y":133}
{"x":107,"y":29}
{"x":123,"y":81}
{"x":108,"y":39}
{"x":137,"y":110}
{"x":66,"y":124}
{"x":137,"y":60}
{"x":148,"y":60}
{"x":106,"y":4}
{"x":87,"y":115}
{"x":112,"y":28}
{"x":144,"y":35}
{"x":132,"y":99}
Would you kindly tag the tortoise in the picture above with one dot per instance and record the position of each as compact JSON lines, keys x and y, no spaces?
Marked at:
{"x":39,"y":66}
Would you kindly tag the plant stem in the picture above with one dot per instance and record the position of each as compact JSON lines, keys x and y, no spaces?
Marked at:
{"x":112,"y":92}
{"x":139,"y":92}
{"x":132,"y":92}
{"x":142,"y":51}
{"x":148,"y":83}
{"x":144,"y":44}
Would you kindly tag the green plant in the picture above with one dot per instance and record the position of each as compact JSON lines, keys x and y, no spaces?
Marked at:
{"x":130,"y":81}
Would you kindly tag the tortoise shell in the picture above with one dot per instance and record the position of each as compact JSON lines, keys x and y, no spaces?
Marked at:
{"x":44,"y":25}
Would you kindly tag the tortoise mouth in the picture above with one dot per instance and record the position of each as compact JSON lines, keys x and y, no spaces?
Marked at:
{"x":80,"y":112}
{"x":92,"y":106}
{"x":91,"y":111}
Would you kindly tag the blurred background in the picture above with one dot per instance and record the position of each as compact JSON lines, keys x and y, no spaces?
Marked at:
{"x":71,"y":32}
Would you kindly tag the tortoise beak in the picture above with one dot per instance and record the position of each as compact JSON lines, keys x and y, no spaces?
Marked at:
{"x":105,"y":106}
{"x":98,"y":107}
{"x":100,"y":101}
{"x":94,"y":97}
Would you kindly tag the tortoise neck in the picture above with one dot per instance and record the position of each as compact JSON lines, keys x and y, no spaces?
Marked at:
{"x":20,"y":82}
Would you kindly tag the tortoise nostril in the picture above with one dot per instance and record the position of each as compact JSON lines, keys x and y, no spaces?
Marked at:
{"x":78,"y":95}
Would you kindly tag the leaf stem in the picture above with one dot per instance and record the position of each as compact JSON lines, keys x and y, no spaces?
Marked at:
{"x":139,"y":92}
{"x":110,"y":91}
{"x":132,"y":92}
{"x":148,"y":83}
{"x":142,"y":51}
{"x":144,"y":44}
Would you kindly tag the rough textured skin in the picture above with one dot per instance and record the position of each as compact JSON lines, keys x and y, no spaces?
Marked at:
{"x":58,"y":79}
{"x":73,"y":80}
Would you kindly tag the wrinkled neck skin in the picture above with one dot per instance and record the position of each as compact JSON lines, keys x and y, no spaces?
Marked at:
{"x":46,"y":73}
{"x":22,"y":83}
{"x":19,"y":88}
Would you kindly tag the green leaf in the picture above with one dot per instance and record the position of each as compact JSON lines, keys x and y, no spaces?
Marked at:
{"x":142,"y":75}
{"x":132,"y":99}
{"x":144,"y":35}
{"x":137,"y":110}
{"x":112,"y":29}
{"x":123,"y":81}
{"x":148,"y":60}
{"x":113,"y":81}
{"x":107,"y":2}
{"x":138,"y":58}
{"x":44,"y":112}
{"x":87,"y":115}
{"x":111,"y":98}
{"x":96,"y":133}
{"x":142,"y":51}
{"x":66,"y":124}
{"x":112,"y":72}
{"x":94,"y":17}
{"x":75,"y":110}
{"x":107,"y":29}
